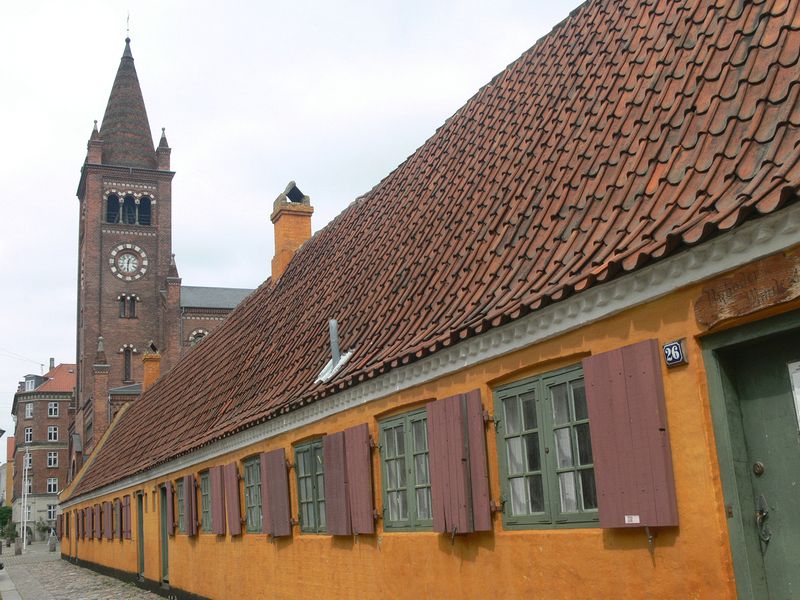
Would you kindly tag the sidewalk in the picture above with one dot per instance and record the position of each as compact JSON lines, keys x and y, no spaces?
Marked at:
{"x":42,"y":575}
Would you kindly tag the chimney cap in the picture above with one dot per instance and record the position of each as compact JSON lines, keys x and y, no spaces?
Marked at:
{"x":292,"y":195}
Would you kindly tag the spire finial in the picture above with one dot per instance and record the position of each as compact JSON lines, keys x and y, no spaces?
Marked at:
{"x":128,"y":26}
{"x":95,"y":124}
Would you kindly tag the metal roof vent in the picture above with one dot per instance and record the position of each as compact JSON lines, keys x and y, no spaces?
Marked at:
{"x":338,"y":360}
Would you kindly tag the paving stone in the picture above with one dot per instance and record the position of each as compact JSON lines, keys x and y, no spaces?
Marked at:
{"x":42,"y":575}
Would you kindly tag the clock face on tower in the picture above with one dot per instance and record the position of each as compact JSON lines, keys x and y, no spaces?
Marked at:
{"x":128,"y":262}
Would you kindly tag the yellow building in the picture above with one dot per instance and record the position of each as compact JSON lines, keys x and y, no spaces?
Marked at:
{"x":553,"y":354}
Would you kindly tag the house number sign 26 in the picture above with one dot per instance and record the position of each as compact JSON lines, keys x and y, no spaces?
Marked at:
{"x":675,"y":354}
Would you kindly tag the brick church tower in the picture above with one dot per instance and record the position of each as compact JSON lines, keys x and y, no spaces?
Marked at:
{"x":128,"y":285}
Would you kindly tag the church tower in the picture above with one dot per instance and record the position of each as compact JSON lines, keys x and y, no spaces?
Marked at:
{"x":128,"y":285}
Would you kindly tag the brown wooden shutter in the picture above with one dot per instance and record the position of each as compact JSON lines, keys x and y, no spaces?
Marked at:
{"x":630,"y":443}
{"x":107,"y":520}
{"x":233,"y":499}
{"x":126,"y":519}
{"x":217,"y":500}
{"x":337,"y":510}
{"x":459,"y":473}
{"x":359,"y":479}
{"x":98,"y":527}
{"x":120,"y":518}
{"x":275,"y":494}
{"x":189,"y":505}
{"x":59,"y":524}
{"x":170,"y":509}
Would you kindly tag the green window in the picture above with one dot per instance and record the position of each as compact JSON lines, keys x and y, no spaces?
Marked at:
{"x":406,"y":472}
{"x":179,"y":495}
{"x":310,"y":486}
{"x":252,"y":493}
{"x":205,"y":502}
{"x":545,"y":451}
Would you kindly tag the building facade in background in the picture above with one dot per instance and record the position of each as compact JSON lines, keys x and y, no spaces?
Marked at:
{"x":41,"y":411}
{"x":129,"y":292}
{"x":554,"y":354}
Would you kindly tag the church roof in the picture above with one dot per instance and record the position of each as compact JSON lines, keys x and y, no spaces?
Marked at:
{"x":126,"y":135}
{"x":211,"y":297}
{"x":632,"y":131}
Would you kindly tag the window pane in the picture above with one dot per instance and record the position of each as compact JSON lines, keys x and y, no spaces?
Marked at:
{"x":424,"y":503}
{"x":584,"y":443}
{"x":579,"y":398}
{"x":401,"y":472}
{"x":321,"y":505}
{"x":391,"y":448}
{"x":515,"y":456}
{"x":400,"y":440}
{"x":563,"y":448}
{"x":391,"y":475}
{"x":528,"y":410}
{"x":511,"y":407}
{"x":536,"y":493}
{"x":532,"y":451}
{"x":421,"y":469}
{"x":518,"y":504}
{"x":588,"y":490}
{"x":420,"y":436}
{"x":560,"y":403}
{"x":569,"y":496}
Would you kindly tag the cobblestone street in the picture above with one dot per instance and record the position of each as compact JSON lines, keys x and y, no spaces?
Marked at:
{"x":42,"y":575}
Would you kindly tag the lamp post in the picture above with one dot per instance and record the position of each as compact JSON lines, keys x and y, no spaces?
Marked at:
{"x":25,"y":470}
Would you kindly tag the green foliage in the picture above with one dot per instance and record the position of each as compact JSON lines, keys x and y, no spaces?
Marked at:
{"x":10,"y":531}
{"x":5,"y":515}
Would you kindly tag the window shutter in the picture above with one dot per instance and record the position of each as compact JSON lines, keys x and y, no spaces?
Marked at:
{"x":630,"y":443}
{"x":107,"y":520}
{"x":120,"y":517}
{"x":189,"y":505}
{"x":275,"y":493}
{"x":126,"y":512}
{"x":98,"y":528}
{"x":358,"y":467}
{"x":337,"y":510}
{"x":170,"y":509}
{"x":459,"y":475}
{"x":59,"y":523}
{"x":232,"y":499}
{"x":217,"y":496}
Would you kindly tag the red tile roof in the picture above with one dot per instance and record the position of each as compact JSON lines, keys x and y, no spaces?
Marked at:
{"x":633,"y":130}
{"x":58,"y":380}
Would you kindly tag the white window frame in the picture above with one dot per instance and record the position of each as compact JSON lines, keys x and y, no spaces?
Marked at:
{"x":52,"y":485}
{"x":29,"y":510}
{"x":27,"y":460}
{"x":28,"y":435}
{"x":51,"y":512}
{"x":52,"y":460}
{"x":29,"y":410}
{"x":30,"y":488}
{"x":52,"y":433}
{"x":52,"y":409}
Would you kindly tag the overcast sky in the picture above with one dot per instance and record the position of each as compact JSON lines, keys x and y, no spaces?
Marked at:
{"x":333,"y":95}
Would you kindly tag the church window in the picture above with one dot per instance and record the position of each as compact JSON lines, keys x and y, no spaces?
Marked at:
{"x":132,"y":307}
{"x":145,"y":211}
{"x":122,"y":303}
{"x":129,"y":210}
{"x":197,"y":336}
{"x":112,"y":209}
{"x":127,"y":364}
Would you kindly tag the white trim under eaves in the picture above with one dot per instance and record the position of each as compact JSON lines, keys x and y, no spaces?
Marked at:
{"x":744,"y":244}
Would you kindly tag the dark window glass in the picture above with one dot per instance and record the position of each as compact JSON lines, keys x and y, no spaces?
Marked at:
{"x":127,"y":357}
{"x":112,"y":209}
{"x":145,"y":209}
{"x":129,"y":211}
{"x":132,"y":308}
{"x":122,"y":302}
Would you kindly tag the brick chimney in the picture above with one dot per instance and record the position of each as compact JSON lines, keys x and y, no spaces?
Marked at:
{"x":152,"y":367}
{"x":291,"y":216}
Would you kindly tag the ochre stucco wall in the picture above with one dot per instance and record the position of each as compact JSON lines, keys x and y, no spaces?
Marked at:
{"x":692,"y":561}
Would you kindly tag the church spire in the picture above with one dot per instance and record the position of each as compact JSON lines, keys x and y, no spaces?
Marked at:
{"x":125,"y":131}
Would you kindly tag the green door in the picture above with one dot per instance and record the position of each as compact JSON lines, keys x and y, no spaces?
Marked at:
{"x":763,"y":418}
{"x":140,"y":533}
{"x":164,"y":537}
